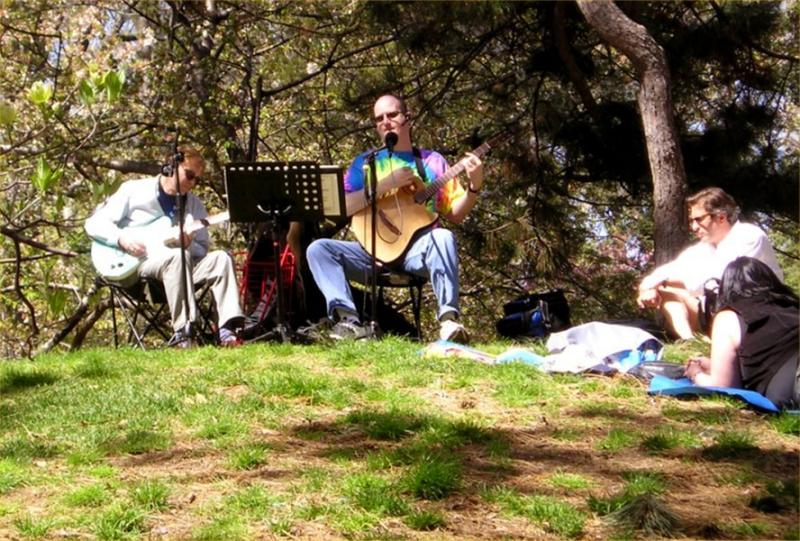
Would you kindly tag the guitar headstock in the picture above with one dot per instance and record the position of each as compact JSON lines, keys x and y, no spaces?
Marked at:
{"x":498,"y":139}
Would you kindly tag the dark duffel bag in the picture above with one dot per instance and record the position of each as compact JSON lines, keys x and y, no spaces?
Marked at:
{"x":535,"y":315}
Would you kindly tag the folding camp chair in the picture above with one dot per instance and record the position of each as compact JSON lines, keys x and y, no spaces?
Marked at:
{"x":143,"y":306}
{"x":398,"y":279}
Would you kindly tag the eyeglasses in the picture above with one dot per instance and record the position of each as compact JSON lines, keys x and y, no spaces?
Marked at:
{"x":698,"y":219}
{"x":389,"y":116}
{"x":191,"y":176}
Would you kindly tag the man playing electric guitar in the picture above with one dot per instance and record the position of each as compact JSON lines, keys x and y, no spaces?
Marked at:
{"x":431,"y":251}
{"x":122,"y":222}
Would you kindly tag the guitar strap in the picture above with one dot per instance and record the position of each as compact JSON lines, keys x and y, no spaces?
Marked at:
{"x":420,"y":166}
{"x":421,"y":171}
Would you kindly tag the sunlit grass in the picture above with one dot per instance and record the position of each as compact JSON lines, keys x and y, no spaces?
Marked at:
{"x":358,"y":440}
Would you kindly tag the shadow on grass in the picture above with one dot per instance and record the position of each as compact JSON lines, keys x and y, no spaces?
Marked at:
{"x":15,"y":379}
{"x":490,"y":456}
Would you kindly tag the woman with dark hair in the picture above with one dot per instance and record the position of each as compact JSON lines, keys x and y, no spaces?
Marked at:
{"x":754,"y":336}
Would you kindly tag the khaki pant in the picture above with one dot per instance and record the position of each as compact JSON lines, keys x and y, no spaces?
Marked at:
{"x":216,"y":268}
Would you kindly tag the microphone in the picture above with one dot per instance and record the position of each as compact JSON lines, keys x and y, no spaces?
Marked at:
{"x":390,"y":140}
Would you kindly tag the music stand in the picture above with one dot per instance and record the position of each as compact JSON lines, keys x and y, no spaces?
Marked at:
{"x":275,"y":192}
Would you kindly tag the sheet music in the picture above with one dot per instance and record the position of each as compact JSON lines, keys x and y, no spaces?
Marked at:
{"x":329,"y":180}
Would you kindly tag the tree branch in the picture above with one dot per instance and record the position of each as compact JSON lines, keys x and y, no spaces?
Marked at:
{"x":17,"y":238}
{"x":72,"y":321}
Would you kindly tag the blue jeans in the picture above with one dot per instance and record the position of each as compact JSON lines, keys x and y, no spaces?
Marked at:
{"x":433,"y":256}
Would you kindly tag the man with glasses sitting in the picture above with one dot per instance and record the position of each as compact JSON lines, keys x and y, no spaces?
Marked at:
{"x":432,"y":253}
{"x":677,"y":287}
{"x":122,"y":222}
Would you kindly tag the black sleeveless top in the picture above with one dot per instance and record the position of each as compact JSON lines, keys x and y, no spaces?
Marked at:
{"x":769,"y":338}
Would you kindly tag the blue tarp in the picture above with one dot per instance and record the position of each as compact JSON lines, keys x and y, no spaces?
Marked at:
{"x":683,"y":386}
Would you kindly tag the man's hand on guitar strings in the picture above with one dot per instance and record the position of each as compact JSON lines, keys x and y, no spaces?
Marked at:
{"x":399,"y":178}
{"x":131,"y":245}
{"x":474,"y":168}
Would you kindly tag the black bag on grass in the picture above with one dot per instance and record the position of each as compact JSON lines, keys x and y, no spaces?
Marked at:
{"x":534,"y":315}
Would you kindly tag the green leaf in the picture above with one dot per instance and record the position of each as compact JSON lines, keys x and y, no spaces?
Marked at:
{"x":7,"y":114}
{"x":44,"y":177}
{"x":86,"y":91}
{"x":40,"y":93}
{"x":113,"y":83}
{"x":56,"y":301}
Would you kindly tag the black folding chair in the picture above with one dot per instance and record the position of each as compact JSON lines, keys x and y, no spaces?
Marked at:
{"x":144,"y":309}
{"x":414,"y":285}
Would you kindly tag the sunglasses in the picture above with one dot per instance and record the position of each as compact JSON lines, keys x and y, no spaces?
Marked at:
{"x":191,"y":176}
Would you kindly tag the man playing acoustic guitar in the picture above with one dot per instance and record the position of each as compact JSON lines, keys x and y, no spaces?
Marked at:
{"x":123,"y":220}
{"x":415,"y":246}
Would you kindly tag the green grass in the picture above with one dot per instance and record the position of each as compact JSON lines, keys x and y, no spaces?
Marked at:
{"x":551,"y":514}
{"x":667,"y":439}
{"x":151,"y":494}
{"x":786,"y":423}
{"x":12,"y":475}
{"x":748,"y":530}
{"x":366,"y":441}
{"x":570,"y":481}
{"x":375,"y":494}
{"x":731,"y":445}
{"x":638,"y":484}
{"x":425,"y":520}
{"x":30,"y":527}
{"x":120,"y":521}
{"x":434,"y":477}
{"x":617,"y":439}
{"x":137,"y":441}
{"x":225,"y":527}
{"x":93,"y":495}
{"x":249,"y":457}
{"x":15,"y":378}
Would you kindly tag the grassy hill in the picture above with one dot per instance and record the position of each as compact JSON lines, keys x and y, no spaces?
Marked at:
{"x":373,"y":441}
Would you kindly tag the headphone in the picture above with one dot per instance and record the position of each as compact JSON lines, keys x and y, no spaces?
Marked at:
{"x":166,"y":169}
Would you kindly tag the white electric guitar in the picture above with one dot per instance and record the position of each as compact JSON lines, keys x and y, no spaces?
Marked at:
{"x":114,"y":263}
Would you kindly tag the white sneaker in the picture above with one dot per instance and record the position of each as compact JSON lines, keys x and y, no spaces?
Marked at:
{"x":453,"y":331}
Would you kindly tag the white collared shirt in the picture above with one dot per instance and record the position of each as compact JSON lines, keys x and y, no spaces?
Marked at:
{"x":703,"y":261}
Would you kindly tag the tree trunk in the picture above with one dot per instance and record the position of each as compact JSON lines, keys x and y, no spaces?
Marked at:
{"x":655,"y":108}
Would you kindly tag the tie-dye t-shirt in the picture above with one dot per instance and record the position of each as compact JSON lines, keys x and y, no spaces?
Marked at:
{"x":433,"y":162}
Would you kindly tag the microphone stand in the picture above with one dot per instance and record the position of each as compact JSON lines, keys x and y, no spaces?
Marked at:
{"x":372,"y":199}
{"x":181,"y":211}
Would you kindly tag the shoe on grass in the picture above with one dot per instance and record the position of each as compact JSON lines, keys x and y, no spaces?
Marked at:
{"x":453,"y":331}
{"x":179,"y":340}
{"x":229,"y":338}
{"x":350,"y":330}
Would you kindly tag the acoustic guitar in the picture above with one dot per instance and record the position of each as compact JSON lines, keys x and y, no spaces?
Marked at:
{"x":401,"y":213}
{"x":159,"y":236}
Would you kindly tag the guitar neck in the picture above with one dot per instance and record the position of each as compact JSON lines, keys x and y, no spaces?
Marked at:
{"x":450,"y":174}
{"x":197,"y":225}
